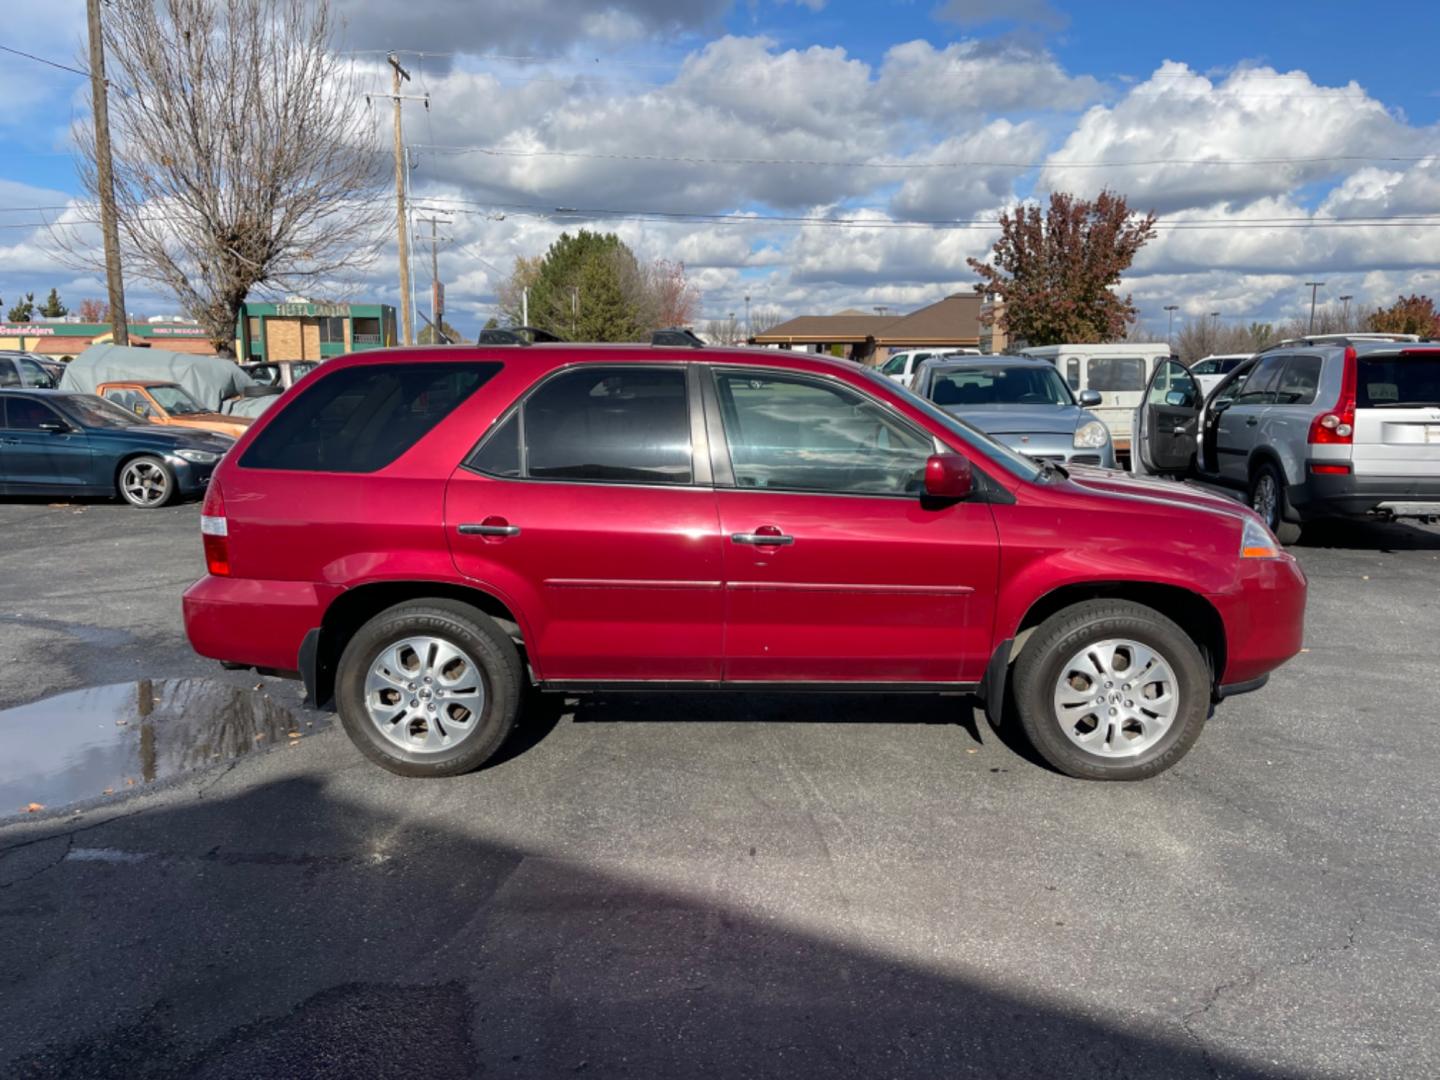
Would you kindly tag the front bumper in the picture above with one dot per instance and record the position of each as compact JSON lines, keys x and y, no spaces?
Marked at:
{"x":1346,"y":493}
{"x":1264,"y":619}
{"x":1059,"y":448}
{"x":190,"y":479}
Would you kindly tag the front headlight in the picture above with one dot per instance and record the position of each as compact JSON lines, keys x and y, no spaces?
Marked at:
{"x":1257,"y":542}
{"x":198,"y":457}
{"x":1091,"y":435}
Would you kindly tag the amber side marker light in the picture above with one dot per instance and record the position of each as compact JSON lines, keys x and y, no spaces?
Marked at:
{"x":1256,"y":542}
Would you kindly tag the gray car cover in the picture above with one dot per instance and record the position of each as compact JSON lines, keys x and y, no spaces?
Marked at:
{"x":211,"y":380}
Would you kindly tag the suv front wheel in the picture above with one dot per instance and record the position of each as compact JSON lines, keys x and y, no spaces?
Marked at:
{"x":1111,"y":690}
{"x":429,"y":688}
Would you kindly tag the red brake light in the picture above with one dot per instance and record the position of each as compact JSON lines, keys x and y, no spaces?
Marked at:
{"x":215,"y":531}
{"x":1338,"y":425}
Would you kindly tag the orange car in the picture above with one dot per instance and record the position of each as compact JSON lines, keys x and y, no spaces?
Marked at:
{"x":169,"y":403}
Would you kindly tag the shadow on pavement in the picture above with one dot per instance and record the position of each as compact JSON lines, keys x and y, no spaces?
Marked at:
{"x":284,"y":932}
{"x":1369,"y":536}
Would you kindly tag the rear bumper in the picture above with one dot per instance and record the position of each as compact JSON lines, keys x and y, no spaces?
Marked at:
{"x":253,"y":623}
{"x":1346,"y":493}
{"x":1264,"y":622}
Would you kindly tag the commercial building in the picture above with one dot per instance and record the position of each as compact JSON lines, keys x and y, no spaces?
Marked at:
{"x":953,"y":322}
{"x":301,"y":330}
{"x":68,"y":339}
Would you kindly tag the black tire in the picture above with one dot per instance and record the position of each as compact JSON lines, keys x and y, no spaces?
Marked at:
{"x":1278,"y":509}
{"x":146,"y":482}
{"x":1069,"y":632}
{"x":496,"y":662}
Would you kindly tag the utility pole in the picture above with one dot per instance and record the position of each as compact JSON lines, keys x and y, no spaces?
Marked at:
{"x":574,"y":310}
{"x":407,"y":325}
{"x":1170,"y":326}
{"x":105,"y":178}
{"x":747,"y":316}
{"x":437,"y":299}
{"x":1346,"y":315}
{"x":1314,"y":285}
{"x":525,"y":305}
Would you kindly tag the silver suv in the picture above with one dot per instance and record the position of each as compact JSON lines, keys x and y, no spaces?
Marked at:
{"x":1319,"y":427}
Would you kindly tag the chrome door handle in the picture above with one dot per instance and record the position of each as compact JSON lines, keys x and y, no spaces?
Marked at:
{"x":762,"y":539}
{"x":489,"y":530}
{"x":1251,"y":421}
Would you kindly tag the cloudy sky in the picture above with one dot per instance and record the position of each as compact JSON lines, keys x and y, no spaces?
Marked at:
{"x":823,"y":154}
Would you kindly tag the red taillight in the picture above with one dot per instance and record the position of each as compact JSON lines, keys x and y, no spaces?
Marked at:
{"x":1338,"y":425}
{"x":215,"y":531}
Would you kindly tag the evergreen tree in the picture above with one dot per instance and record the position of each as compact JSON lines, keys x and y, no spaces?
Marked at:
{"x":589,"y":287}
{"x":53,"y":308}
{"x":23,"y":310}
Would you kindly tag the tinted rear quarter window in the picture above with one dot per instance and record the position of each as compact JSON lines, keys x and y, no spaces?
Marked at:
{"x":1398,"y":380}
{"x":360,"y":419}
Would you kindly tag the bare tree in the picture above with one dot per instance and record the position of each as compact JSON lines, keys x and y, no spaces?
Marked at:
{"x":764,"y":318}
{"x":243,"y":158}
{"x":724,"y":331}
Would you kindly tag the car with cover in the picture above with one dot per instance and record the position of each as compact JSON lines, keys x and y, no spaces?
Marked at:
{"x":419,"y":534}
{"x":57,"y":443}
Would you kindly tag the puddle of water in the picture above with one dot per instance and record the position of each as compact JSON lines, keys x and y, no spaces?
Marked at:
{"x":110,"y":739}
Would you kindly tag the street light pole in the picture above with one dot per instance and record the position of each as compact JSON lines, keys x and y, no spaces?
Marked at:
{"x":1170,"y":326}
{"x":1345,"y":315}
{"x":1314,"y":286}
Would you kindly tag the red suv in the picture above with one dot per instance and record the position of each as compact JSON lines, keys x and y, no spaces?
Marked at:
{"x":418,"y":533}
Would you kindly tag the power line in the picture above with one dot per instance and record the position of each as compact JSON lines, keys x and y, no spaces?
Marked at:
{"x":498,"y":151}
{"x":43,"y":60}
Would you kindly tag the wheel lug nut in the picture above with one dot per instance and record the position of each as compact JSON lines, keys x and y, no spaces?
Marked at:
{"x":427,"y":678}
{"x":413,"y":703}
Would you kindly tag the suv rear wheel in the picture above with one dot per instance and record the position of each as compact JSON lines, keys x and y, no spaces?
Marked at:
{"x":1111,"y":690}
{"x":1268,"y":499}
{"x":429,"y":688}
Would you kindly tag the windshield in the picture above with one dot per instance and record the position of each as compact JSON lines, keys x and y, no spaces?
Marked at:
{"x":1396,"y":381}
{"x":1017,"y":464}
{"x":91,"y":411}
{"x":895,"y":365}
{"x":174,"y":400}
{"x":979,"y":387}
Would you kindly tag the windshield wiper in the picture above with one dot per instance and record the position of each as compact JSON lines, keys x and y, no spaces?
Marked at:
{"x":1049,"y":468}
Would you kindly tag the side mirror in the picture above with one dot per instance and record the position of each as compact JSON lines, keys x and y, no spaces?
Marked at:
{"x":1221,"y":405}
{"x":54,"y":427}
{"x":1178,"y":399}
{"x":948,"y":476}
{"x":1089,"y":399}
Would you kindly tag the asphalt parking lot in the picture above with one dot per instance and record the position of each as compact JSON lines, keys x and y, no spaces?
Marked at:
{"x":729,"y":885}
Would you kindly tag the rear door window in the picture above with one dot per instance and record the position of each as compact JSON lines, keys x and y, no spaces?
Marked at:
{"x":1298,"y":381}
{"x":27,"y":414}
{"x":1259,"y":388}
{"x":607,"y":424}
{"x":1398,"y":381}
{"x":362,"y":418}
{"x":9,"y":376}
{"x":1115,"y":373}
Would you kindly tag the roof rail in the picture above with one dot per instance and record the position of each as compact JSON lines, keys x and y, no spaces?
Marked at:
{"x":1339,"y":339}
{"x":516,"y":335}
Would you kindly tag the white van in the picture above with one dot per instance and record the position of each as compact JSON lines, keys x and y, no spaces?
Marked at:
{"x":1118,"y":371}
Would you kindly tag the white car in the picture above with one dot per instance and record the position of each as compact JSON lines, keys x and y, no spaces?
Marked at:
{"x":901,"y":366}
{"x":1209,"y":371}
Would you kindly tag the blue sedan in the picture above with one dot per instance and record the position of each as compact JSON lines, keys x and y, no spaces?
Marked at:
{"x":56,"y":443}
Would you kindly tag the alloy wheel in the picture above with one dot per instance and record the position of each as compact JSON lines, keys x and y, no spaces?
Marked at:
{"x":424,"y":694}
{"x":1116,"y":698}
{"x":1266,"y":499}
{"x":145,"y":483}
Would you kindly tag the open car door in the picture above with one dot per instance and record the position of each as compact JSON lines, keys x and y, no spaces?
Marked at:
{"x":1168,"y":424}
